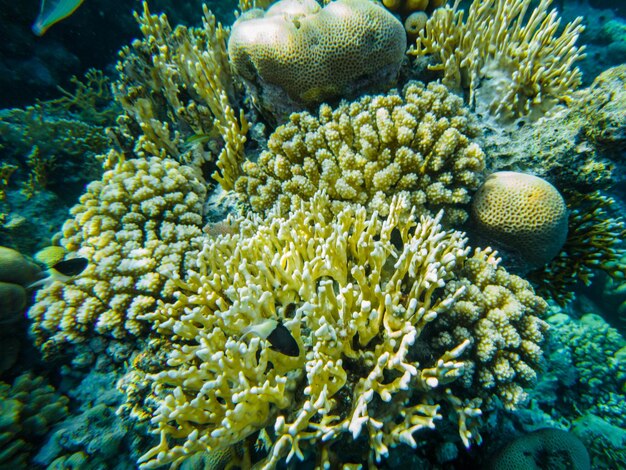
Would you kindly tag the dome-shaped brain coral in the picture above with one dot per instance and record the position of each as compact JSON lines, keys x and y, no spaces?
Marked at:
{"x":522,"y":213}
{"x":314,"y":54}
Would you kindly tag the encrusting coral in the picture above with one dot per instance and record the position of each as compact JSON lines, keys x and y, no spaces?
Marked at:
{"x":355,"y":294}
{"x":144,"y":217}
{"x":298,"y":54}
{"x":175,"y":85}
{"x":522,"y":213}
{"x":28,"y":408}
{"x":510,"y":64}
{"x":418,"y":143}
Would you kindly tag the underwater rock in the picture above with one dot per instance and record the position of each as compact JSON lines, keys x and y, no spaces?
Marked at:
{"x":579,"y":147}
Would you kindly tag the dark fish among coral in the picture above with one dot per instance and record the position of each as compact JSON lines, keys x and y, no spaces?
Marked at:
{"x":277,"y":334}
{"x":71,"y":267}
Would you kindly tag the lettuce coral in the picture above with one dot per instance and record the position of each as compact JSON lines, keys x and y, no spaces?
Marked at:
{"x":356,"y":293}
{"x":417,"y":143}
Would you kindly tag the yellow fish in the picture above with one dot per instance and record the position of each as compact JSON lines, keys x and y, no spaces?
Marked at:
{"x":53,"y":11}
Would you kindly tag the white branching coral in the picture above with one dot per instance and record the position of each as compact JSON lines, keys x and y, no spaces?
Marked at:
{"x":509,"y":56}
{"x":355,"y":294}
{"x":139,"y":223}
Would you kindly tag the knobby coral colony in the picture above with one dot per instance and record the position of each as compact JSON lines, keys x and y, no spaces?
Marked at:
{"x":345,"y":315}
{"x":356,"y":294}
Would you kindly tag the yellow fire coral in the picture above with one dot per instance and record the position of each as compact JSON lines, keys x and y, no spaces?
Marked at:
{"x":355,"y":294}
{"x":313,"y":54}
{"x":511,"y":63}
{"x":176,"y":84}
{"x":523,"y":213}
{"x":417,"y":143}
{"x":142,"y":219}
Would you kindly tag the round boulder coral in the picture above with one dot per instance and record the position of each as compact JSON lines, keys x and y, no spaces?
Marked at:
{"x":521,"y":213}
{"x":314,"y":54}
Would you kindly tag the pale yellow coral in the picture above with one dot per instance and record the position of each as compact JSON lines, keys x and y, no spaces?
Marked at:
{"x":417,"y":143}
{"x":511,"y":63}
{"x":138,"y":225}
{"x":502,"y":317}
{"x":354,"y":301}
{"x":523,"y":213}
{"x":312,"y":54}
{"x":176,"y":84}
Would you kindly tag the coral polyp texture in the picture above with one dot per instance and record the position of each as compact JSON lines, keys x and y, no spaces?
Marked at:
{"x":418,"y":143}
{"x":314,"y":54}
{"x":522,"y":213}
{"x":137,"y":225}
{"x":511,"y":63}
{"x":359,"y":296}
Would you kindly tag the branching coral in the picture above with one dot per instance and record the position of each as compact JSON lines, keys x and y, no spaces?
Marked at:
{"x":355,"y":293}
{"x":516,"y":64}
{"x":176,"y":84}
{"x":417,"y":143}
{"x":501,"y":317}
{"x":595,"y":242}
{"x":142,"y":219}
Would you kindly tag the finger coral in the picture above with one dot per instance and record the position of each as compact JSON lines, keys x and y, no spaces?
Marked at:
{"x":356,"y":294}
{"x":314,"y":54}
{"x":176,"y":84}
{"x":137,"y":224}
{"x":417,"y":143}
{"x":511,"y":63}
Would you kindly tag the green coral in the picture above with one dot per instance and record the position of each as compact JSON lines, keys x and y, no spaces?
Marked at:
{"x":28,"y":409}
{"x":595,"y":242}
{"x":597,"y":354}
{"x":417,"y":143}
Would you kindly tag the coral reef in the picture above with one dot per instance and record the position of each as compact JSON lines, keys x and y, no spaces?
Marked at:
{"x":136,"y":227}
{"x":595,"y":352}
{"x":578,"y":147}
{"x":175,"y":85}
{"x":29,"y":407}
{"x":417,"y":143}
{"x":355,"y":294}
{"x":298,"y":54}
{"x":523,"y":214}
{"x":595,"y":242}
{"x":499,"y":315}
{"x":533,"y":450}
{"x":504,"y":60}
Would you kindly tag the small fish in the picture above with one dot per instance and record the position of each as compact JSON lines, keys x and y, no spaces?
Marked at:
{"x":71,"y":267}
{"x":53,"y":11}
{"x":202,"y":138}
{"x":277,"y":334}
{"x":63,"y":271}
